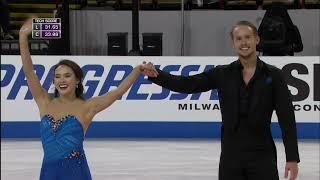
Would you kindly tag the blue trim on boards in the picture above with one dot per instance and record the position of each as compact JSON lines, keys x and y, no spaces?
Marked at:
{"x":149,"y":129}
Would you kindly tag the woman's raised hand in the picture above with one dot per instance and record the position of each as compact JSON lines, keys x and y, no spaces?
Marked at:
{"x":26,"y":28}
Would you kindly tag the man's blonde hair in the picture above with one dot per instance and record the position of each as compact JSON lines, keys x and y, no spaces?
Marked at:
{"x":244,"y":23}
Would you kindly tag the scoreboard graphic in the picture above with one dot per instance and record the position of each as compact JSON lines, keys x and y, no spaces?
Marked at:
{"x":46,"y":28}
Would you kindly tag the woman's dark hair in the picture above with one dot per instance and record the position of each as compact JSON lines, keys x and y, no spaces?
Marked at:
{"x":78,"y":73}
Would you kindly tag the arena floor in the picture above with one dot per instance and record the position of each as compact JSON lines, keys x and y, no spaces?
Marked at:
{"x":145,"y":159}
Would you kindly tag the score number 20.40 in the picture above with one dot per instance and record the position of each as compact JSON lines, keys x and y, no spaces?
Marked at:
{"x":50,"y":34}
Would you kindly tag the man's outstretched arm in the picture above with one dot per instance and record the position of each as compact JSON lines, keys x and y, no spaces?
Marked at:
{"x":184,"y":84}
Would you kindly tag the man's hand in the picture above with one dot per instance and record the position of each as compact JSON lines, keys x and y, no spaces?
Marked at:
{"x":148,"y":69}
{"x":291,"y":167}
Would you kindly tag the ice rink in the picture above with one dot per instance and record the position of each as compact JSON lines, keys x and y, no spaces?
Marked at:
{"x":146,"y":159}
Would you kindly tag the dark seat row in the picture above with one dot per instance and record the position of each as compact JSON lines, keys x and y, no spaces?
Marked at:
{"x":21,"y":9}
{"x":201,"y":4}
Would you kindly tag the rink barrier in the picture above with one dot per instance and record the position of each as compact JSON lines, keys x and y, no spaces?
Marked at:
{"x":147,"y":110}
{"x":148,"y":129}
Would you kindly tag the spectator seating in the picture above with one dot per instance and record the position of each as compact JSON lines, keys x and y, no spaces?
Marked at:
{"x":22,"y":9}
{"x":201,"y":4}
{"x":311,"y":4}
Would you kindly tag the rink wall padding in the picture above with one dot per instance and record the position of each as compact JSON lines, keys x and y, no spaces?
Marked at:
{"x":147,"y":110}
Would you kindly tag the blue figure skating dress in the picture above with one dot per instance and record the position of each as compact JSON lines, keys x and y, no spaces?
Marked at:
{"x":62,"y":142}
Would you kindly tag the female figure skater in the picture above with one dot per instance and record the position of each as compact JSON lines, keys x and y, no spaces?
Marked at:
{"x":66,"y":116}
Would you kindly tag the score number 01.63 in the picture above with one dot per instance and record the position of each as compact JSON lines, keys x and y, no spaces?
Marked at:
{"x":50,"y":26}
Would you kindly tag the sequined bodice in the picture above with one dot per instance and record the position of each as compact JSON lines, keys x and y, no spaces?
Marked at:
{"x":61,"y":138}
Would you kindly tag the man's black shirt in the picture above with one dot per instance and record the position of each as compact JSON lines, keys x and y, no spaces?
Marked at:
{"x":266,"y":92}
